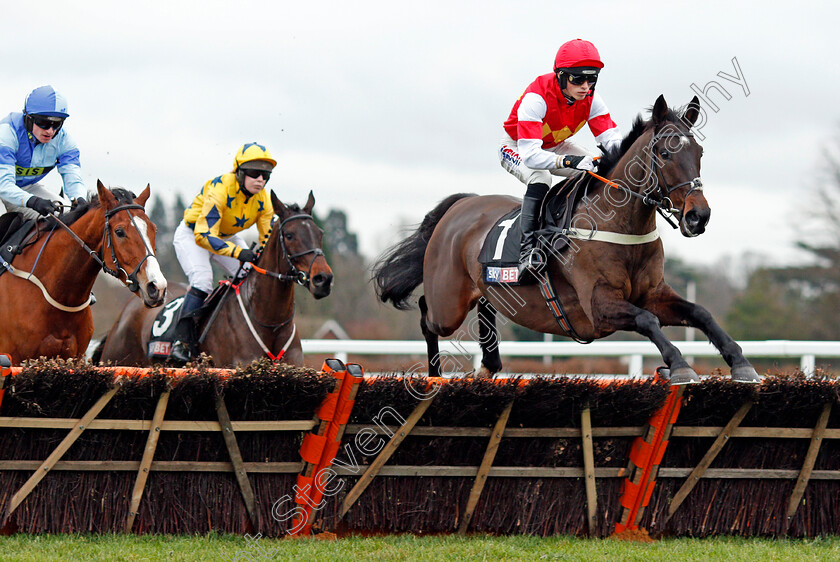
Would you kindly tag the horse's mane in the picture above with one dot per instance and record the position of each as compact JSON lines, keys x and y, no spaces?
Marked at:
{"x":122,"y":195}
{"x":640,"y":125}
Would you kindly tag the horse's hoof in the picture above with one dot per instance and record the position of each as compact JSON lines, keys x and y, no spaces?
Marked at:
{"x":745,"y":373}
{"x":684,"y":375}
{"x":483,"y":373}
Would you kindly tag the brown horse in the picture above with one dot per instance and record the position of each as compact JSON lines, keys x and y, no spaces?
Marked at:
{"x":45,"y":298}
{"x":606,"y":280}
{"x":256,"y":318}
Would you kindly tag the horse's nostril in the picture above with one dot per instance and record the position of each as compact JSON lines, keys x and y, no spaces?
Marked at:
{"x":152,"y":291}
{"x":319,"y":280}
{"x":691,"y":218}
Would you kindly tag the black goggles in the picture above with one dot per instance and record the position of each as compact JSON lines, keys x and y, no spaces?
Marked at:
{"x":48,"y":123}
{"x":579,"y":79}
{"x":257,"y":173}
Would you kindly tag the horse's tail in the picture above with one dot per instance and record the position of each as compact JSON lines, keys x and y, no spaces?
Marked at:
{"x":400,"y":269}
{"x":96,"y":356}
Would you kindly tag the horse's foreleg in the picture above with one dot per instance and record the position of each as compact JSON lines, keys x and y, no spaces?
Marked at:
{"x":612,"y":312}
{"x":673,"y":310}
{"x":432,"y":347}
{"x":488,"y":336}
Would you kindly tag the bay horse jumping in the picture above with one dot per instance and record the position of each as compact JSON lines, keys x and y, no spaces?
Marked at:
{"x":610,"y":278}
{"x":44,"y":299}
{"x":258,"y":320}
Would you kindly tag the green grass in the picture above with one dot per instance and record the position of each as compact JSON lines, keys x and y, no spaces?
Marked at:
{"x":405,"y":547}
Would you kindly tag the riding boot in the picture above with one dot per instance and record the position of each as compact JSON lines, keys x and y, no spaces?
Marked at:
{"x":530,"y":258}
{"x":187,"y":339}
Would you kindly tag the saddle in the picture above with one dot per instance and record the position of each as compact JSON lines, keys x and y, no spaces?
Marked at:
{"x":164,"y":331}
{"x":499,"y":255}
{"x":14,"y":230}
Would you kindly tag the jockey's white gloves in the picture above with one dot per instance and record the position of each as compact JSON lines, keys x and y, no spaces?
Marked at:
{"x":576,"y":162}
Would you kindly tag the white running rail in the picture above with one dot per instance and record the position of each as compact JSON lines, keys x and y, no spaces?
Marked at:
{"x":636,"y":351}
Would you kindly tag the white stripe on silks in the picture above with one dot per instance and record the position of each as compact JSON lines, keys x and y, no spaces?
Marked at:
{"x":37,"y":282}
{"x":612,"y":237}
{"x":254,"y":332}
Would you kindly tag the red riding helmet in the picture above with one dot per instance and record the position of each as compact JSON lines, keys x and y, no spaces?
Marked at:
{"x":577,"y":52}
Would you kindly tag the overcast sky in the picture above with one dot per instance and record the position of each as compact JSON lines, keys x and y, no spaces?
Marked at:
{"x":383,"y":108}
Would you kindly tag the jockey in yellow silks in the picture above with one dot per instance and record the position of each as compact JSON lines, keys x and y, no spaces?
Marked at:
{"x":227,"y":205}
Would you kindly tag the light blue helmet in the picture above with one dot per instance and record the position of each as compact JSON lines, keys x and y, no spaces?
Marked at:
{"x":46,"y":101}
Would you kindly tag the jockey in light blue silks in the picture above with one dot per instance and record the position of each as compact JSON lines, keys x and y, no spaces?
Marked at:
{"x":32,"y":143}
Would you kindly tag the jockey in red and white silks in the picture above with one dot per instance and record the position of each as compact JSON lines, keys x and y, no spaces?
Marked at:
{"x":537,"y":144}
{"x":540,"y":128}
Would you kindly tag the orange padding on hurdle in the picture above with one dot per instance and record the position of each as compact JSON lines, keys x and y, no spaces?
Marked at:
{"x":342,"y":414}
{"x":312,"y":447}
{"x":141,"y":372}
{"x":646,"y":456}
{"x":326,"y":411}
{"x":303,"y":491}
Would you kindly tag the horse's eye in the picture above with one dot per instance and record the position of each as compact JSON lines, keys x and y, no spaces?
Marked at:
{"x":120,"y":232}
{"x":289,"y":236}
{"x":665,"y":154}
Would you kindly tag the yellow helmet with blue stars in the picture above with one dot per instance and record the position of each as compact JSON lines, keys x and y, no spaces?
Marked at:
{"x":253,"y":155}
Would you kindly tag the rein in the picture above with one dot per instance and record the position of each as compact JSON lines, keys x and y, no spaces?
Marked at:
{"x":299,"y":276}
{"x":664,"y":205}
{"x":131,"y":279}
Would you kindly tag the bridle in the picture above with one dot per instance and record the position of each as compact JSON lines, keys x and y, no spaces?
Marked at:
{"x":298,"y":276}
{"x":99,"y":257}
{"x":658,"y":194}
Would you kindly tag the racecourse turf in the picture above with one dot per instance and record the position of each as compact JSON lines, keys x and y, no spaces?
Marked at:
{"x":33,"y":548}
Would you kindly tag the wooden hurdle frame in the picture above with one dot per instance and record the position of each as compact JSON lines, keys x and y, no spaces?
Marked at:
{"x":340,"y":400}
{"x":325,"y":431}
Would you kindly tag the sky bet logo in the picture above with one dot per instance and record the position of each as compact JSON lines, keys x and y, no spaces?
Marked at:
{"x":501,"y":275}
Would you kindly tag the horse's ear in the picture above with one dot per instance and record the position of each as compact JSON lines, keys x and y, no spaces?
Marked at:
{"x":692,"y":112}
{"x":279,"y":207}
{"x":143,"y":197}
{"x":310,"y":203}
{"x":660,"y":109}
{"x":105,"y":196}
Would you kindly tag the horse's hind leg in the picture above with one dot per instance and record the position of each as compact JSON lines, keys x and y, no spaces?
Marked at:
{"x":673,"y":310}
{"x":488,"y":336}
{"x":432,"y":347}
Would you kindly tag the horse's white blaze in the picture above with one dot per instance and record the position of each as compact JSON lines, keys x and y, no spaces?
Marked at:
{"x":684,"y":140}
{"x":153,"y":273}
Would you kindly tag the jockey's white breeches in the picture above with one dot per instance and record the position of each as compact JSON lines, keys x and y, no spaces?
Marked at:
{"x":512,"y":162}
{"x":196,"y":261}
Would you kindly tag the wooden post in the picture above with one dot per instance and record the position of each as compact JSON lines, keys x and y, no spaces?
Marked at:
{"x":236,"y":459}
{"x":384,"y":455}
{"x":146,"y":461}
{"x":808,"y":464}
{"x":706,"y":461}
{"x":589,"y":471}
{"x":56,"y":455}
{"x":484,"y":468}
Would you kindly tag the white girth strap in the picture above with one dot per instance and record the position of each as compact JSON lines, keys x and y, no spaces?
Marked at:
{"x":257,"y":337}
{"x":37,"y":282}
{"x":612,"y":237}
